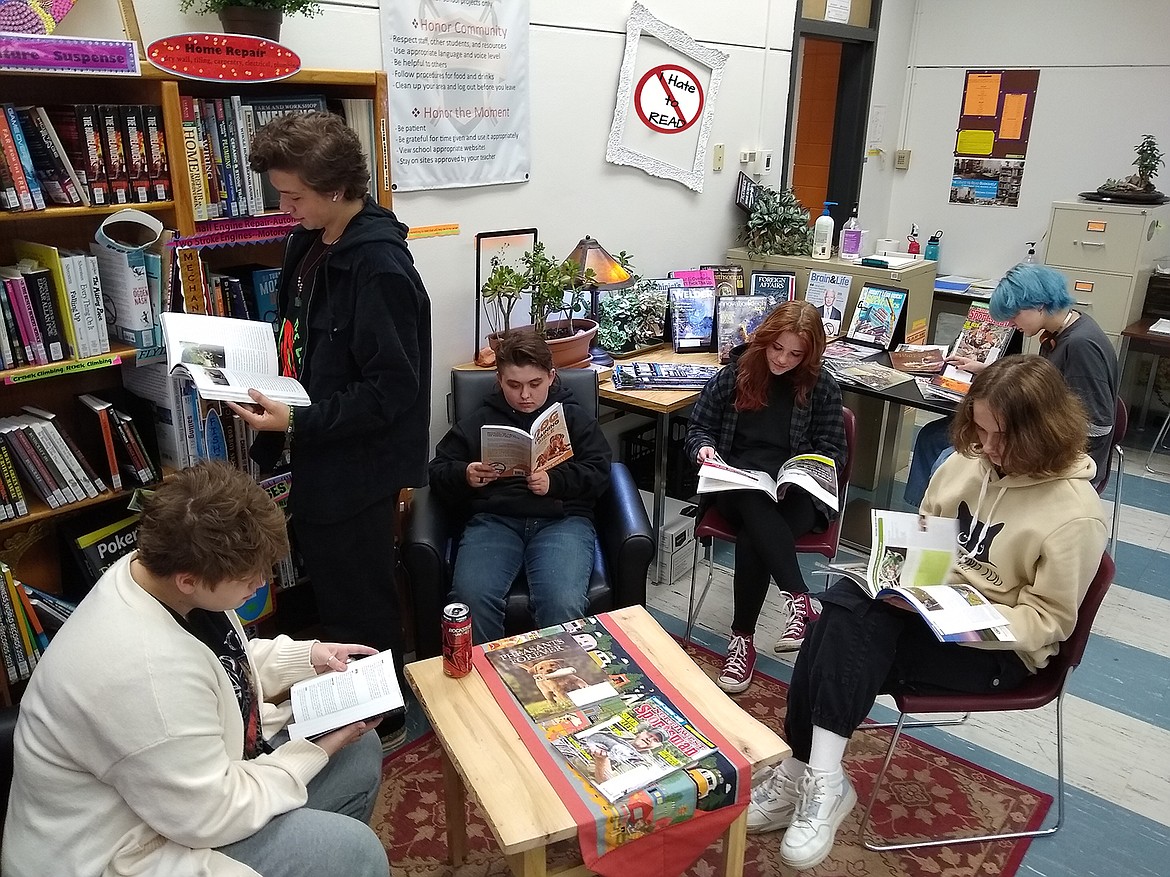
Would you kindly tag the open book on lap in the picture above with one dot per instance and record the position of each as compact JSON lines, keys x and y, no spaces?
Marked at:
{"x":512,"y":451}
{"x":225,"y":358}
{"x":814,"y":473}
{"x":911,"y":558}
{"x":368,"y":687}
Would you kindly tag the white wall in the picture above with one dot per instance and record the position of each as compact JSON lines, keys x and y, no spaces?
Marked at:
{"x":576,"y":51}
{"x":1104,"y":81}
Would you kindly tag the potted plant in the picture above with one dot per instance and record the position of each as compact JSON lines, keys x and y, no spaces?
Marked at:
{"x":1140,"y":186}
{"x":260,"y":18}
{"x":632,"y":318}
{"x":500,"y":293}
{"x":778,"y":225}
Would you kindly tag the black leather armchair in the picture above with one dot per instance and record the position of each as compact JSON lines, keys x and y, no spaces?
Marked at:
{"x":624,"y":536}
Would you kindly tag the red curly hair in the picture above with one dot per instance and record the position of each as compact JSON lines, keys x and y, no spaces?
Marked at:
{"x":753,"y":376}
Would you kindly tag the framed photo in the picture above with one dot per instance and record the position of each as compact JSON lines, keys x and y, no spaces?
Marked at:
{"x":497,"y":248}
{"x":666,"y":98}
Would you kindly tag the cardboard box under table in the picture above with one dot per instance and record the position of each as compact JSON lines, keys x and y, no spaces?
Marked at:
{"x":676,"y":541}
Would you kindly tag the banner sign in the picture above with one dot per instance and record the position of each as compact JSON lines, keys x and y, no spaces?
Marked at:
{"x":459,"y":92}
{"x":22,"y":53}
{"x":223,"y":57}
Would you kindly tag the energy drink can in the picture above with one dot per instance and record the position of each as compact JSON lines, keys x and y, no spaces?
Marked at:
{"x":456,"y":639}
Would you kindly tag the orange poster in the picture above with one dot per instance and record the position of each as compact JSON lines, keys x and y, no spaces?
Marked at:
{"x":1011,"y":122}
{"x":982,"y":94}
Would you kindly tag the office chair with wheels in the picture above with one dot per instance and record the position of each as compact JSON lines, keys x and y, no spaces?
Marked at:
{"x":1047,"y":685}
{"x":714,"y":526}
{"x":625,"y":541}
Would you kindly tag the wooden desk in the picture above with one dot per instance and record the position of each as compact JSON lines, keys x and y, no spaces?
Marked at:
{"x":659,"y":404}
{"x":482,"y":753}
{"x":1138,"y":338}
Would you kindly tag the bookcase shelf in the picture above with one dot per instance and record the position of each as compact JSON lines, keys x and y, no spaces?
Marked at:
{"x":38,"y":511}
{"x":97,"y":213}
{"x":118,"y":354}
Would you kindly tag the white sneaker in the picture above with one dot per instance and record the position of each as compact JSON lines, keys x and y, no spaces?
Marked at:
{"x":773,"y":802}
{"x":825,"y":801}
{"x":803,"y":610}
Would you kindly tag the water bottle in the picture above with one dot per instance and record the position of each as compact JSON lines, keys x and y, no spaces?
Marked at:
{"x":851,"y":238}
{"x":931,"y":251}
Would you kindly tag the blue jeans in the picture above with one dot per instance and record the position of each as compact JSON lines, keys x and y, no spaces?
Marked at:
{"x":556,"y":555}
{"x":330,"y":834}
{"x":933,"y":441}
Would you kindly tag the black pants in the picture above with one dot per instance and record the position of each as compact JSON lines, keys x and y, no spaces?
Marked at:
{"x":860,"y":648}
{"x":765,"y":547}
{"x":351,"y":569}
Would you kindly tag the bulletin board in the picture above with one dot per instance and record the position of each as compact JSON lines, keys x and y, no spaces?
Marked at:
{"x":996,"y":116}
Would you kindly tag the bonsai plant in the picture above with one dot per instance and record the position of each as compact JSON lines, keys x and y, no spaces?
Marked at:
{"x":500,"y":293}
{"x":549,"y":280}
{"x":1139,"y":186}
{"x":778,"y":225}
{"x":261,"y":18}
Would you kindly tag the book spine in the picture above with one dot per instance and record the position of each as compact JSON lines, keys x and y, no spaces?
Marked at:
{"x":101,"y":410}
{"x":40,"y":287}
{"x":249,"y":115}
{"x":215,"y":207}
{"x":25,"y":297}
{"x":7,"y":355}
{"x":62,"y":121}
{"x":149,"y":468}
{"x":12,"y":159}
{"x":72,"y":181}
{"x":71,"y":467}
{"x":75,"y":261}
{"x":86,"y":322}
{"x":23,"y":624}
{"x":25,"y":157}
{"x":38,"y":631}
{"x":138,"y":464}
{"x":53,"y":469}
{"x":192,"y":155}
{"x":85,"y":471}
{"x":134,"y":144}
{"x":158,"y":168}
{"x":114,"y":152}
{"x":25,"y":459}
{"x":49,"y":169}
{"x":9,"y":200}
{"x":192,"y":280}
{"x":8,"y":474}
{"x":217,"y":131}
{"x":99,"y":302}
{"x":89,"y":132}
{"x":12,"y":330}
{"x":12,"y":635}
{"x":10,"y":668}
{"x":238,"y":134}
{"x":20,"y":316}
{"x":7,"y":505}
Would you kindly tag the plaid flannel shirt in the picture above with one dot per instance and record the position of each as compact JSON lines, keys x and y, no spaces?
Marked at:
{"x":816,"y":428}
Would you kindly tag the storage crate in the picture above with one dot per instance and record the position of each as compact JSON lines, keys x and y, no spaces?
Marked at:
{"x":637,"y":452}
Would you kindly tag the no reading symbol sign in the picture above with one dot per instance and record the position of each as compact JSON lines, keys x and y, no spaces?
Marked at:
{"x":668,"y":98}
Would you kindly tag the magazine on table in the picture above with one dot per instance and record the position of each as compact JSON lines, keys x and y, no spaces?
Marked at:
{"x":780,"y":286}
{"x":982,"y":338}
{"x":919,"y":358}
{"x":692,"y":310}
{"x":911,"y":557}
{"x":226,"y":357}
{"x":368,"y":687}
{"x":662,"y":376}
{"x":829,"y":294}
{"x":871,"y":374}
{"x":738,"y":317}
{"x":840,"y":354}
{"x":814,"y":473}
{"x":549,"y":675}
{"x":640,"y":745}
{"x":875,"y":319}
{"x":512,"y":451}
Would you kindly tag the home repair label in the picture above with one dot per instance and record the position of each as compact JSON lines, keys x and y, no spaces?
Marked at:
{"x":459,"y":92}
{"x":668,"y":98}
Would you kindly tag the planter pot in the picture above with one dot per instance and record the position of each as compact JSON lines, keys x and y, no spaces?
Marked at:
{"x":248,"y":20}
{"x":569,"y":352}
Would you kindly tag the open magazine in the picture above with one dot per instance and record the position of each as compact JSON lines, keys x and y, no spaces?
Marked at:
{"x":911,"y":557}
{"x":983,"y":338}
{"x":641,"y":744}
{"x":815,"y":473}
{"x":225,"y":358}
{"x":512,"y":451}
{"x":368,"y":687}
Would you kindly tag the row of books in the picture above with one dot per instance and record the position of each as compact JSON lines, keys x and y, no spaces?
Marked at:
{"x":22,"y":636}
{"x":82,"y":155}
{"x":38,"y":455}
{"x":246,"y":292}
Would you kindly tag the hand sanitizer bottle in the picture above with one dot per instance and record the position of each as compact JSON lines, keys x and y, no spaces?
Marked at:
{"x":1031,"y":257}
{"x":851,"y":238}
{"x":823,"y":234}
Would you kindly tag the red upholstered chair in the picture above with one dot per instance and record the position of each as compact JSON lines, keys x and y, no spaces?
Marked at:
{"x":1040,"y":690}
{"x":1120,"y":427}
{"x":714,"y":526}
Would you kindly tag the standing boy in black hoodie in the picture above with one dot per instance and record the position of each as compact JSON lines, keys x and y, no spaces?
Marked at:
{"x":541,"y":523}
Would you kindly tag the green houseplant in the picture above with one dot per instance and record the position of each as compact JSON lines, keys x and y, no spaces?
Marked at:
{"x":260,"y":18}
{"x":633,"y":316}
{"x":1139,"y":186}
{"x":778,"y":225}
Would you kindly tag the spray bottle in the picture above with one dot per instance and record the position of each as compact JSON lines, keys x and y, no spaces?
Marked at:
{"x":1031,"y":257}
{"x":822,"y":247}
{"x":851,"y":238}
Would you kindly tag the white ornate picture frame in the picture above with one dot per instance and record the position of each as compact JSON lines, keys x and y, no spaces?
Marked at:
{"x":663,"y":81}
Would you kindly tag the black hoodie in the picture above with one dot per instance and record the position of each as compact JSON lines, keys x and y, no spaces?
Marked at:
{"x":574,"y":486}
{"x":367,"y":368}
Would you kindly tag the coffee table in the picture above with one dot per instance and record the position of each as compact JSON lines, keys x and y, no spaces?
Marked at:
{"x":483,"y":753}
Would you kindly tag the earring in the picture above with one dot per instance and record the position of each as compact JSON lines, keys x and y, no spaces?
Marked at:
{"x":336,"y":195}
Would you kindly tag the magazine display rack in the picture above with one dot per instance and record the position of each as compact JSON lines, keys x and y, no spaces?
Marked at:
{"x":27,"y":543}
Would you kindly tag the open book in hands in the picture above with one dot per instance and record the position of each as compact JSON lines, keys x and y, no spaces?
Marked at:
{"x":368,"y":687}
{"x":512,"y":451}
{"x":814,"y":473}
{"x":911,"y":556}
{"x":225,"y":358}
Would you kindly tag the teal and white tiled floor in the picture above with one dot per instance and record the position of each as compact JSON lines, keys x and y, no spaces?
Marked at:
{"x":1117,"y":710}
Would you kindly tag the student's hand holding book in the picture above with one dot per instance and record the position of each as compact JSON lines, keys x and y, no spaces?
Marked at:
{"x":335,"y":656}
{"x":271,"y":416}
{"x":706,"y":454}
{"x":966,"y":363}
{"x":481,"y":474}
{"x":335,"y":741}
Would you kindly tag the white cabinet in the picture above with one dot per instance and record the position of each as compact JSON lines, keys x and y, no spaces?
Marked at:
{"x":1107,"y":252}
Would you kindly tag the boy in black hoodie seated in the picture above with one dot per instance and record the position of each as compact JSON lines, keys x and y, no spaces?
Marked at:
{"x":541,"y":523}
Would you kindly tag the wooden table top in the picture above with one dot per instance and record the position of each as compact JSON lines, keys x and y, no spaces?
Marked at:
{"x":656,"y":401}
{"x":518,"y":802}
{"x":1140,"y":330}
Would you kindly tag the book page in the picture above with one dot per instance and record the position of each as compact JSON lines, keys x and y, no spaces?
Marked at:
{"x":550,"y":439}
{"x":507,"y":449}
{"x":950,"y":609}
{"x":367,"y":688}
{"x":219,"y":342}
{"x":716,"y":475}
{"x":232,"y":386}
{"x":816,"y":474}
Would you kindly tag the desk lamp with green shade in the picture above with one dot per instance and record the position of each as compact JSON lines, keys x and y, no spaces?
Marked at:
{"x":607,"y":274}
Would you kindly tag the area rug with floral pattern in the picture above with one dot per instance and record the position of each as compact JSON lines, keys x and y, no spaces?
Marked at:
{"x":926,"y":792}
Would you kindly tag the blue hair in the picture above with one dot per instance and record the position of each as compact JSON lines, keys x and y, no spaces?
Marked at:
{"x":1029,"y":286}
